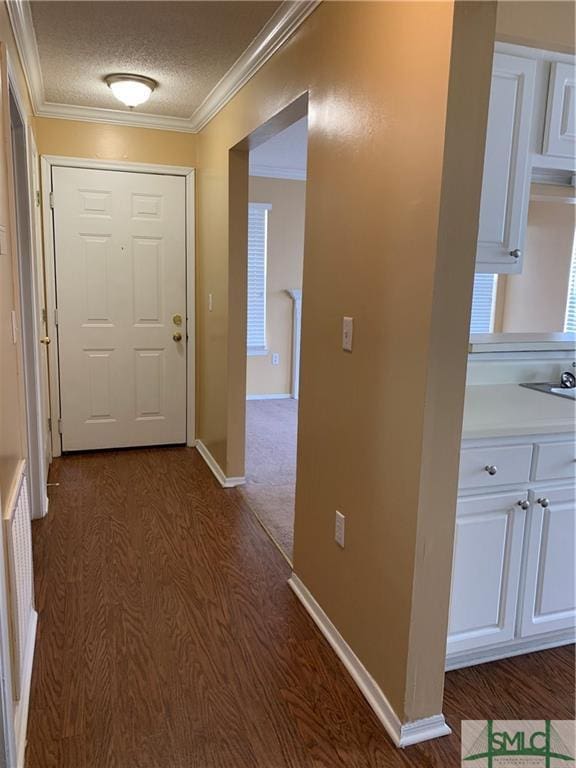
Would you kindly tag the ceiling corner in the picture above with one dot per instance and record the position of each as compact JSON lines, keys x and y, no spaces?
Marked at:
{"x":271,"y":37}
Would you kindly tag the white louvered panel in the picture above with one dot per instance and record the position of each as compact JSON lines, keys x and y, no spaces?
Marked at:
{"x":483,"y":303}
{"x":20,"y":576}
{"x":257,"y":252}
{"x":570,"y":324}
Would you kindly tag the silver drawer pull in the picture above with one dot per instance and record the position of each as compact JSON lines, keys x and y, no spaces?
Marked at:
{"x":524,"y":503}
{"x":491,"y":469}
{"x":544,"y":502}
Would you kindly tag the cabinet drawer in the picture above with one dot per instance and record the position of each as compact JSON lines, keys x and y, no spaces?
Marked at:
{"x":555,"y":461}
{"x":511,"y":462}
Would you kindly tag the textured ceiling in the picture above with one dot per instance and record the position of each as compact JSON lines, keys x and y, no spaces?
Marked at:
{"x":186,"y":46}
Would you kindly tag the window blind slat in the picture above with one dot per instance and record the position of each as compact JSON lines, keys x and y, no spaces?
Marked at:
{"x":483,"y":303}
{"x":570,"y":322}
{"x":257,"y":251}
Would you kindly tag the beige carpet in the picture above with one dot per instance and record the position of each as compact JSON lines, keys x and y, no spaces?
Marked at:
{"x":271,"y":429}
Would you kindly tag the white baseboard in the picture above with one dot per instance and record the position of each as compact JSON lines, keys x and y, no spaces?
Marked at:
{"x":21,"y":709}
{"x":402,"y":734}
{"x":270,"y":397}
{"x":225,"y":482}
{"x":513,"y":648}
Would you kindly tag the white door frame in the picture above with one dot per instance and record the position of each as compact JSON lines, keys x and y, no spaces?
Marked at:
{"x":27,"y":259}
{"x":47,"y":162}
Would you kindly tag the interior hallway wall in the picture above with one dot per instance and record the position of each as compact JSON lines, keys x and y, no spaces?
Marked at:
{"x":284,"y":270}
{"x":548,"y":24}
{"x":374,"y":252}
{"x":103,"y":141}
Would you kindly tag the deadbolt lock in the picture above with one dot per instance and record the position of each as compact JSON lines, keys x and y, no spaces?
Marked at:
{"x":177,"y":319}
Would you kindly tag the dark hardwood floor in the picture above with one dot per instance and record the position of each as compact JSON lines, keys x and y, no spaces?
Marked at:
{"x":168,"y":638}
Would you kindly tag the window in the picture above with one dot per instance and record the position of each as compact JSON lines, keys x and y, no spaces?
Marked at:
{"x":483,"y":298}
{"x":257,"y":254}
{"x":570,"y":322}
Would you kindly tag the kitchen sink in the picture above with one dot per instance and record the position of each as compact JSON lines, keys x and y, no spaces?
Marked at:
{"x":550,"y":389}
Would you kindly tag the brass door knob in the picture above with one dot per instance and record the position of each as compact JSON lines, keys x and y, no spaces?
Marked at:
{"x":45,"y":340}
{"x":177,"y":336}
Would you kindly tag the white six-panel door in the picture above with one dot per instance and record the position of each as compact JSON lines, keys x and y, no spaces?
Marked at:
{"x":120,"y":262}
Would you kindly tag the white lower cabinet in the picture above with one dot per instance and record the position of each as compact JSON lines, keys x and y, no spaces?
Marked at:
{"x":486,"y":570}
{"x":514,"y":567}
{"x":549,"y":600}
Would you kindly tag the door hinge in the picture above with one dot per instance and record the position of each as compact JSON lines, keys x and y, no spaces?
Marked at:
{"x":51,"y":199}
{"x":49,"y":424}
{"x":60,"y":426}
{"x":38,"y":198}
{"x":44,"y":315}
{"x":56,"y":316}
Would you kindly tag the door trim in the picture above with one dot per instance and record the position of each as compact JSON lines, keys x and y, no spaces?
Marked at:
{"x":47,"y":162}
{"x":27,"y":256}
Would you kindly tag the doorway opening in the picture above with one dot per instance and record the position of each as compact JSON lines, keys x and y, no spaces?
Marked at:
{"x":276,"y":216}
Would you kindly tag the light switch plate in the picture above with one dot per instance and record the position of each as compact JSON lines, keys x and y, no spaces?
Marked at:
{"x":275,"y":358}
{"x":347,"y":333}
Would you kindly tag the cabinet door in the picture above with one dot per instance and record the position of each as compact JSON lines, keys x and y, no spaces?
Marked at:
{"x":549,"y":595}
{"x":506,"y":180}
{"x":486,"y":571}
{"x":560,"y":132}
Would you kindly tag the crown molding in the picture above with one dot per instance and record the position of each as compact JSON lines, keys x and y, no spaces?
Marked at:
{"x":272,"y":35}
{"x":113,"y":116}
{"x":278,"y":172}
{"x":275,"y":32}
{"x":21,"y":21}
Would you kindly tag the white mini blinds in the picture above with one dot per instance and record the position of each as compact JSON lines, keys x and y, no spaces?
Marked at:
{"x":257,"y":257}
{"x":570,"y":323}
{"x":482,"y":319}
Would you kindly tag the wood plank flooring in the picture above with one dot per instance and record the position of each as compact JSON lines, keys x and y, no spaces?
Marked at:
{"x":168,"y":638}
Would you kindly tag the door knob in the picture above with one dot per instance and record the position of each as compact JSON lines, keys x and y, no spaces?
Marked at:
{"x":491,"y":469}
{"x":516,"y":253}
{"x":544,"y":502}
{"x":45,"y":340}
{"x":177,"y":336}
{"x":524,"y":504}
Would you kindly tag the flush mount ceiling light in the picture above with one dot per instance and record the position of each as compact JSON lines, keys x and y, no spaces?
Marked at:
{"x":131,"y":90}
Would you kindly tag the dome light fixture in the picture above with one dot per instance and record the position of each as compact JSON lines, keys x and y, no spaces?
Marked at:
{"x":131,"y":90}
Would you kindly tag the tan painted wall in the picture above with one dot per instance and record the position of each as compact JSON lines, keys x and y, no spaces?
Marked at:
{"x":284,"y":270}
{"x":99,"y":141}
{"x":12,"y":424}
{"x":537,"y":23}
{"x":535,"y":301}
{"x":382,"y":248}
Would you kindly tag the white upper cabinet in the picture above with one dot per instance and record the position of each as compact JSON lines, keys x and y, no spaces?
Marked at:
{"x":560,"y":130}
{"x":507,"y":167}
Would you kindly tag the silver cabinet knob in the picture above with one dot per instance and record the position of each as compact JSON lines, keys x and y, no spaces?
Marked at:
{"x":544,"y":502}
{"x":516,"y":253}
{"x":491,"y":469}
{"x":524,"y":503}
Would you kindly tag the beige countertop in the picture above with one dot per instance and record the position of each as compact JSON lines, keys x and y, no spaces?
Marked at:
{"x":501,"y":410}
